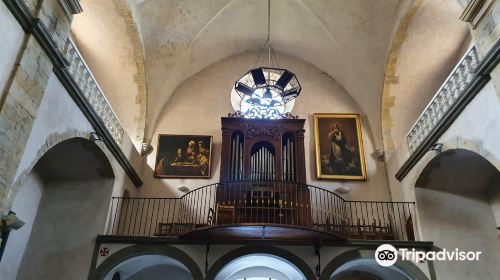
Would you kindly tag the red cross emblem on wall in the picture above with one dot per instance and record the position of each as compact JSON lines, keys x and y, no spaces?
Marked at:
{"x":104,"y":252}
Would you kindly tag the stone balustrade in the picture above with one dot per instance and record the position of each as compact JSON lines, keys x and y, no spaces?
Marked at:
{"x":92,"y":91}
{"x":452,"y":88}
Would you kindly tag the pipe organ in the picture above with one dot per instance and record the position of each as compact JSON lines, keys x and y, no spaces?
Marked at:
{"x":262,"y":150}
{"x":288,"y":159}
{"x":262,"y":166}
{"x":236,"y":164}
{"x":261,"y":163}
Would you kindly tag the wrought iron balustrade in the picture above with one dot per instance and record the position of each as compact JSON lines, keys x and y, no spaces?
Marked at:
{"x":93,"y":93}
{"x":452,"y":88}
{"x":270,"y":203}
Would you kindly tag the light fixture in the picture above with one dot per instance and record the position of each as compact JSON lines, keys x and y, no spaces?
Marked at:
{"x":11,"y":221}
{"x":265,"y":92}
{"x":436,"y":147}
{"x":94,"y":137}
{"x":146,"y":149}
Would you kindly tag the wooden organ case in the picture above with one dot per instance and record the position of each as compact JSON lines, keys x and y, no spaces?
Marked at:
{"x":263,"y":172}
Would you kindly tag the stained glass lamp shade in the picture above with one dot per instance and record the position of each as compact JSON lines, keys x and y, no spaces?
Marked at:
{"x":265,"y":93}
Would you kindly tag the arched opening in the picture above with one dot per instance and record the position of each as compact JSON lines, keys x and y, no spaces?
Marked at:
{"x":260,"y":267}
{"x":64,"y":202}
{"x":150,"y":267}
{"x":368,"y":269}
{"x":458,"y":197}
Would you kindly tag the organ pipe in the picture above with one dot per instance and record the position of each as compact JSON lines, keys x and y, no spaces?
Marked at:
{"x":288,"y":160}
{"x":240,"y":177}
{"x":262,"y":165}
{"x":236,"y":162}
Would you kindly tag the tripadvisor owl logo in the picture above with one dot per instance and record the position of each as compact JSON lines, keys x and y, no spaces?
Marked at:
{"x":386,"y":255}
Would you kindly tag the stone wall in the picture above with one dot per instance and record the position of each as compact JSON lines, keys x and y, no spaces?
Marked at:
{"x":25,"y":90}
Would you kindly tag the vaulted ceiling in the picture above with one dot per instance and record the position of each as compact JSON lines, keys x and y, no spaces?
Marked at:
{"x":349,"y":40}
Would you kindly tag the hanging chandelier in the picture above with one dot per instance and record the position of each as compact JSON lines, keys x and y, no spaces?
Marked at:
{"x":266,"y":92}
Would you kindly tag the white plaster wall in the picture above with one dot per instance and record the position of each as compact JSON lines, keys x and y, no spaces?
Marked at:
{"x":12,"y":37}
{"x":199,"y":102}
{"x":70,"y":216}
{"x":494,"y":199}
{"x":476,"y":129}
{"x":463,"y":222}
{"x":25,"y":206}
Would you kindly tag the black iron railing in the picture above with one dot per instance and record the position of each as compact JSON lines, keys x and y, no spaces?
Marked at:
{"x":275,"y":203}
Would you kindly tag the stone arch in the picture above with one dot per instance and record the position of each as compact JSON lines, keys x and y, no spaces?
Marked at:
{"x":142,"y":98}
{"x":51,"y":141}
{"x":142,"y":250}
{"x":459,"y":184}
{"x":405,"y":86}
{"x":457,"y":142}
{"x":65,"y":201}
{"x":108,"y":38}
{"x":271,"y":250}
{"x":355,"y":254}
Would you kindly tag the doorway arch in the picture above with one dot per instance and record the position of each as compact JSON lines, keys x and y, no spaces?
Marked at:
{"x":64,"y":201}
{"x":355,"y":264}
{"x":143,"y":260}
{"x":251,"y":261}
{"x":457,"y":196}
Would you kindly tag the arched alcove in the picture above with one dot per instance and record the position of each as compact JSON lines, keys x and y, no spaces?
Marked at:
{"x":259,"y":262}
{"x":148,"y":262}
{"x":260,"y":266}
{"x":151,"y":267}
{"x":457,"y":195}
{"x":368,"y":269}
{"x":360,"y":265}
{"x":64,"y":202}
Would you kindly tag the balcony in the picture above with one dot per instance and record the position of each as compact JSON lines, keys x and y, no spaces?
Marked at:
{"x":93,"y":93}
{"x":272,"y":210}
{"x":444,"y":100}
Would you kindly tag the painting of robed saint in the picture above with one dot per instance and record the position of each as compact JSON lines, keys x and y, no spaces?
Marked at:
{"x":339,"y":147}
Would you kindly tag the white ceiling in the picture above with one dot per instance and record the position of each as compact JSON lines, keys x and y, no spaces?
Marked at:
{"x":349,"y":40}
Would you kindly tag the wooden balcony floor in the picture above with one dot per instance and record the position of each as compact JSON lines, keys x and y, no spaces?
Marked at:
{"x":260,"y":232}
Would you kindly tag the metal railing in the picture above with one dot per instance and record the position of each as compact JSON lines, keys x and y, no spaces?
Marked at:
{"x":452,"y":88}
{"x":274,"y":203}
{"x":93,"y":93}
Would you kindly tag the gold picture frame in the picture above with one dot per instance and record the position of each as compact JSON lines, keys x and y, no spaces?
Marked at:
{"x":183,"y":156}
{"x":339,"y":147}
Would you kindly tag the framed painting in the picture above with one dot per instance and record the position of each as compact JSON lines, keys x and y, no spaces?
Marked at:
{"x":339,"y":147}
{"x":183,"y":156}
